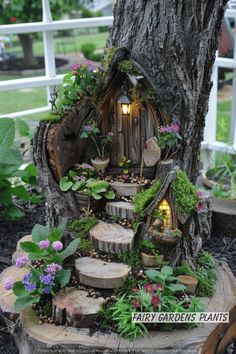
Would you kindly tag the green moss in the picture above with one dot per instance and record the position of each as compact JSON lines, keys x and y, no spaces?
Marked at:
{"x":149,"y":96}
{"x":206,"y":275}
{"x":128,"y":67}
{"x":81,"y":228}
{"x":110,"y":52}
{"x":185,"y":194}
{"x":144,"y":198}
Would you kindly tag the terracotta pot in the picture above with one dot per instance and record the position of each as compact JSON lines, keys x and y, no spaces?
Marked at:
{"x":99,"y":164}
{"x":162,"y":240}
{"x":151,"y":261}
{"x":126,"y":189}
{"x":190,"y":282}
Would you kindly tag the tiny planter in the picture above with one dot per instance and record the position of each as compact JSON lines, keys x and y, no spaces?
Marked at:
{"x":100,"y":164}
{"x":162,"y":239}
{"x":151,"y":260}
{"x":84,"y":201}
{"x":126,"y":189}
{"x":190,"y":282}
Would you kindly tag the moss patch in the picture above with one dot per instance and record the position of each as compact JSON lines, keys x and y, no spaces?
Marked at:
{"x":128,"y":67}
{"x":144,"y":198}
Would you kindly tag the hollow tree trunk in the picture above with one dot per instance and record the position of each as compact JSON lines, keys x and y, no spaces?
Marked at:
{"x":175,"y":41}
{"x":26,"y":41}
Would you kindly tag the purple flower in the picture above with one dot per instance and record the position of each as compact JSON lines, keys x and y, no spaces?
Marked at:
{"x":30,"y":287}
{"x":26,"y":278}
{"x":47,"y":279}
{"x":79,"y":178}
{"x":46,"y":290}
{"x":110,"y":134}
{"x":22,"y":261}
{"x":44,"y":244}
{"x":87,"y":128}
{"x":57,"y":245}
{"x":91,"y":68}
{"x":8,"y":283}
{"x":53,"y":268}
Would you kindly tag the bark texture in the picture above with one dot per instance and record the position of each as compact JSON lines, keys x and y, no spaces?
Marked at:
{"x":175,"y":42}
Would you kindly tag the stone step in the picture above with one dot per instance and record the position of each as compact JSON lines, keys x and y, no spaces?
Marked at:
{"x":121,"y":209}
{"x":73,"y":307}
{"x":111,"y":238}
{"x":99,"y":274}
{"x":23,"y":239}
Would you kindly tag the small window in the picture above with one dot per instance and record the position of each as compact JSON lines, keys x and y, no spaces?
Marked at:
{"x":165,"y":210}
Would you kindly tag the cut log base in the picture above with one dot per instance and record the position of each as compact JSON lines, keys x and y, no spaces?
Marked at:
{"x":209,"y":338}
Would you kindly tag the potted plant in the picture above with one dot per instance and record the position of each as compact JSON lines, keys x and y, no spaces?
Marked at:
{"x":168,"y":137}
{"x":150,"y":255}
{"x":125,"y":184}
{"x":91,"y":131}
{"x":190,"y":282}
{"x":166,"y":238}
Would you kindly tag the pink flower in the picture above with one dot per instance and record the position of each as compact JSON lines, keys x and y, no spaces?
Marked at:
{"x":148,"y":288}
{"x":155,"y":301}
{"x":53,"y":268}
{"x":159,"y":287}
{"x":57,"y":245}
{"x":199,"y":194}
{"x":8,"y":283}
{"x":22,"y":261}
{"x":200,"y":206}
{"x":136,"y":303}
{"x":110,"y":134}
{"x":44,"y":244}
{"x":135,"y":290}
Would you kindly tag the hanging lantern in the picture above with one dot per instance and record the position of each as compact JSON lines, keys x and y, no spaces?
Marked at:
{"x":125,"y":102}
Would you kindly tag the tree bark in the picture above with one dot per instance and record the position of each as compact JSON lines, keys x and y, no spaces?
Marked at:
{"x":26,"y":41}
{"x":175,"y":42}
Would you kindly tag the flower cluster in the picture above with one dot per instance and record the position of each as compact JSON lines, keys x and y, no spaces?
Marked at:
{"x":91,"y":130}
{"x":84,"y":171}
{"x":147,"y":298}
{"x":168,"y":139}
{"x":28,"y":284}
{"x":22,"y":261}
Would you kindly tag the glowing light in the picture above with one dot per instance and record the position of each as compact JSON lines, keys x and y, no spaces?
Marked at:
{"x":165,"y":209}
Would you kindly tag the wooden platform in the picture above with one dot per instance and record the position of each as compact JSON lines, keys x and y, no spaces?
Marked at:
{"x":205,"y":339}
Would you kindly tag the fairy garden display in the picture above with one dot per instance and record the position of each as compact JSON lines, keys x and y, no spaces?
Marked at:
{"x":122,"y":233}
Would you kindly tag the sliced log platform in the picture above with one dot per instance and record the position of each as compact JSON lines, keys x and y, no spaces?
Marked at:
{"x":112,"y":238}
{"x":7,"y":298}
{"x":73,"y":307}
{"x":207,"y":338}
{"x":23,"y":239}
{"x":99,"y":274}
{"x":121,"y":209}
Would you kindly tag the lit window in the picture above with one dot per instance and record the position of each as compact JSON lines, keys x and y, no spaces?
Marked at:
{"x":165,"y":210}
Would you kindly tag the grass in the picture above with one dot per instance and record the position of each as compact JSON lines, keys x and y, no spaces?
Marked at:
{"x":68,"y":44}
{"x":224,"y":121}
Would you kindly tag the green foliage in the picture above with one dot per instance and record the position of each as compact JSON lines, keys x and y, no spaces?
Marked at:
{"x":144,"y":198}
{"x":132,"y":258}
{"x":121,"y":313}
{"x":165,"y":277}
{"x":88,"y":49}
{"x":13,"y":190}
{"x":205,"y":273}
{"x":49,"y":276}
{"x":82,"y":227}
{"x":149,"y":96}
{"x":128,"y":67}
{"x":110,"y":52}
{"x":125,"y":164}
{"x":185,"y":194}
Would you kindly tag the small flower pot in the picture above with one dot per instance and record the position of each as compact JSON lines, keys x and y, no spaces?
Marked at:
{"x":163,"y":240}
{"x":85,"y":201}
{"x":151,"y":261}
{"x":99,"y":164}
{"x":163,"y":168}
{"x":126,"y":189}
{"x":190,"y":282}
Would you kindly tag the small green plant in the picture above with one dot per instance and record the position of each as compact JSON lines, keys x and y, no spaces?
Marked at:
{"x":149,"y":96}
{"x":109,"y":54}
{"x":185,"y":194}
{"x":128,"y":67}
{"x":131,"y":258}
{"x":147,"y":246}
{"x":168,"y":138}
{"x":125,"y":164}
{"x":165,"y":277}
{"x":205,"y":259}
{"x":82,"y":226}
{"x":88,"y":49}
{"x":144,"y":198}
{"x":47,"y":249}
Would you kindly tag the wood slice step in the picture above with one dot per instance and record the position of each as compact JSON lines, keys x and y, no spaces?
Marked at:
{"x":121,"y":209}
{"x":23,"y":239}
{"x":73,"y":307}
{"x":7,"y":298}
{"x":99,"y":274}
{"x":112,"y":238}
